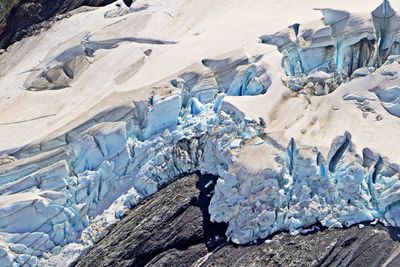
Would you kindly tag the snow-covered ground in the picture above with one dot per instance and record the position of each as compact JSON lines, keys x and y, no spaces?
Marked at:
{"x":106,"y":106}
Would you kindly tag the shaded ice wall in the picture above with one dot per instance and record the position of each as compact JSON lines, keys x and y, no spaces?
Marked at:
{"x":347,"y":43}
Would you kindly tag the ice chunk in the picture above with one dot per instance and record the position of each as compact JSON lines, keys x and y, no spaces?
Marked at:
{"x":163,"y":114}
{"x":319,"y":76}
{"x":349,"y":45}
{"x":240,"y":76}
{"x":354,"y":97}
{"x":40,"y":208}
{"x":118,"y":9}
{"x":196,"y":106}
{"x":337,"y":150}
{"x":332,"y":16}
{"x":301,"y":192}
{"x":110,"y":137}
{"x":218,"y":101}
{"x":362,"y":72}
{"x":251,"y":80}
{"x":235,"y":144}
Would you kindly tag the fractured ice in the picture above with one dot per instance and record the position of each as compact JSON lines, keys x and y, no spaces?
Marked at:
{"x":305,"y":189}
{"x":115,"y":160}
{"x":72,"y":187}
{"x":337,"y":51}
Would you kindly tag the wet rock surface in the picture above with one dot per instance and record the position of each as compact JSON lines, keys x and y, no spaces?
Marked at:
{"x":172,"y":228}
{"x":17,"y":17}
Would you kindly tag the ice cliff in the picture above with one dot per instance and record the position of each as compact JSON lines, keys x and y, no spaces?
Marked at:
{"x":305,"y":189}
{"x":300,"y":186}
{"x":113,"y":161}
{"x":346,"y":46}
{"x":69,"y":189}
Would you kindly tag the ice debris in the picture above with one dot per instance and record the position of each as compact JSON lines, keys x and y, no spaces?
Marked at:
{"x":347,"y":46}
{"x":305,"y":189}
{"x":74,"y":186}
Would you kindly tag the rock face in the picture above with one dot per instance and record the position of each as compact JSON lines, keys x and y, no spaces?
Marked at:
{"x":17,"y":16}
{"x":172,"y":228}
{"x":370,"y":246}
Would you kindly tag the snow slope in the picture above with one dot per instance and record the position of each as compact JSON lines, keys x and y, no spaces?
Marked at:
{"x":198,"y":28}
{"x":103,"y":108}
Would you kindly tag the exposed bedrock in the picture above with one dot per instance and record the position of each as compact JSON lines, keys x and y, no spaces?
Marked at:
{"x":348,"y":46}
{"x":172,"y":229}
{"x":17,"y":17}
{"x":370,"y":246}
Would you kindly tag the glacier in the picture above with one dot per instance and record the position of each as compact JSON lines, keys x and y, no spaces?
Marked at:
{"x":305,"y":189}
{"x":347,"y":46}
{"x":74,"y":186}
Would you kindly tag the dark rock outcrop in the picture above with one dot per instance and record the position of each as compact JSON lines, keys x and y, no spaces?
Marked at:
{"x":172,"y":228}
{"x":370,"y":246}
{"x":17,"y":16}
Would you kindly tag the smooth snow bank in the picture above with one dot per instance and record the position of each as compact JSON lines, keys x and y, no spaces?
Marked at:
{"x":193,"y":31}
